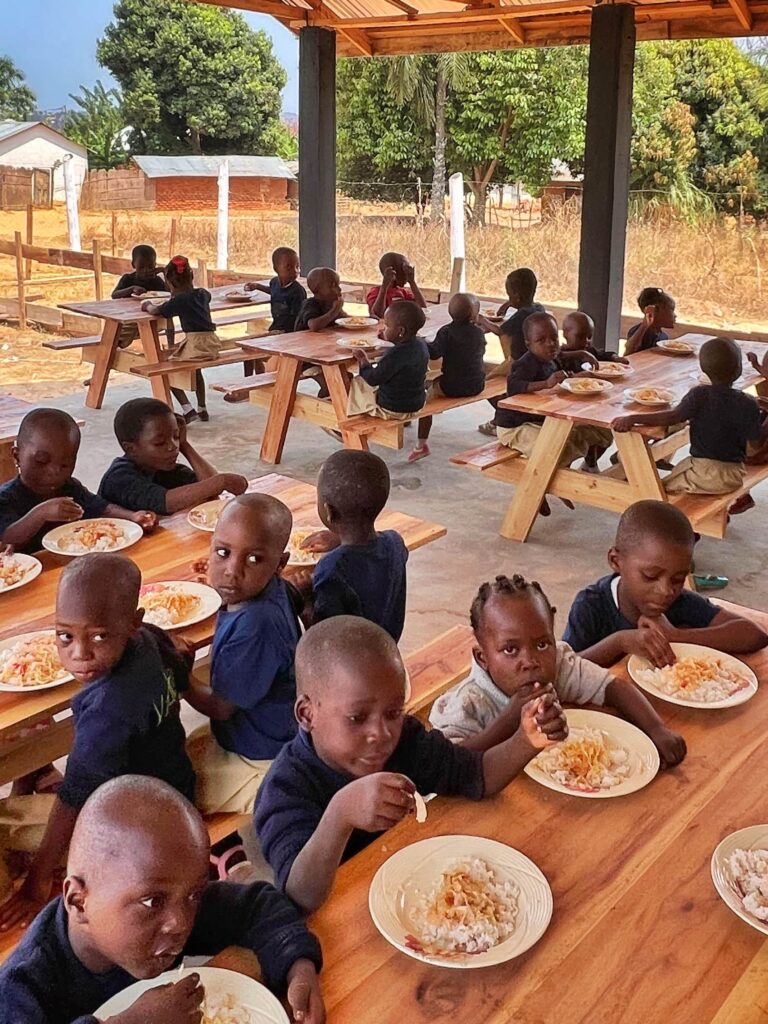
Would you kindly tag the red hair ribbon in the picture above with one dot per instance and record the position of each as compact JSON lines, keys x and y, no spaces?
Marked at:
{"x":181,"y":263}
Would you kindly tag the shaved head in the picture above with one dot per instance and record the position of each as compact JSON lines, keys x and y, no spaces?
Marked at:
{"x":657,"y":519}
{"x":99,"y":581}
{"x":344,"y":644}
{"x":260,"y":513}
{"x":463,"y":306}
{"x":51,"y":420}
{"x":321,"y":276}
{"x":581,"y":322}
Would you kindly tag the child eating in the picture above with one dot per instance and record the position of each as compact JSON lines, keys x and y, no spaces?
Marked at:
{"x":126,"y":715}
{"x":722,"y":421}
{"x":352,"y":770}
{"x":395,"y":386}
{"x":326,"y":304}
{"x":398,"y":281}
{"x":286,"y":295}
{"x":365,"y":574}
{"x":641,"y":607}
{"x":578,"y":331}
{"x":517,"y":659}
{"x":143,"y":278}
{"x":149,"y":474}
{"x":658,"y":309}
{"x":461,"y":346}
{"x":45,"y":493}
{"x":136,"y":900}
{"x":252,"y":687}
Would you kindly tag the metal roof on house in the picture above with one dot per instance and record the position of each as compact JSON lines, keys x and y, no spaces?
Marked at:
{"x":208,"y":166}
{"x":9,"y":128}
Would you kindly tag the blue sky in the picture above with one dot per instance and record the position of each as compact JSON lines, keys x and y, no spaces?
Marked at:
{"x":54,"y":43}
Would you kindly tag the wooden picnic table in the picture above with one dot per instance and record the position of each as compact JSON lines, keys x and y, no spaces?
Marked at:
{"x":116,"y":312}
{"x":319,"y":348}
{"x":638,"y":932}
{"x":637,"y":477}
{"x":166,"y":554}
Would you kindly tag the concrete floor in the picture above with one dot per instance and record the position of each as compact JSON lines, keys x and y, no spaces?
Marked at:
{"x":564,"y":552}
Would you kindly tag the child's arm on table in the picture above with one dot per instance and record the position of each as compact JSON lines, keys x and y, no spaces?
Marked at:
{"x":210,"y":483}
{"x":488,"y":326}
{"x":410,"y":277}
{"x":256,"y":286}
{"x":647,"y":641}
{"x":55,"y":510}
{"x":727,"y":632}
{"x":543,"y":385}
{"x":582,"y":356}
{"x":542,"y":723}
{"x":636,"y":708}
{"x":146,"y":520}
{"x":319,"y":323}
{"x":667,"y":418}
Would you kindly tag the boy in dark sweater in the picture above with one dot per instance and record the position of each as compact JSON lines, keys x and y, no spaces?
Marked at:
{"x":285,"y":293}
{"x":353,"y":769}
{"x":143,"y":278}
{"x":149,"y":475}
{"x":578,"y":331}
{"x":45,"y":494}
{"x":135,"y":901}
{"x":126,"y":715}
{"x":325,"y":305}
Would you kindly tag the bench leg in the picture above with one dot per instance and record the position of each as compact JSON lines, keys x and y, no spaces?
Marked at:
{"x":150,"y":343}
{"x":102,"y":364}
{"x":534,"y":482}
{"x":639,"y":466}
{"x":338,"y":389}
{"x":280,"y":409}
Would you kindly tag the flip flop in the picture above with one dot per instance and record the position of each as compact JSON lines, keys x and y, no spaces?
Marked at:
{"x":221,"y":863}
{"x":419,"y":453}
{"x":710,"y":582}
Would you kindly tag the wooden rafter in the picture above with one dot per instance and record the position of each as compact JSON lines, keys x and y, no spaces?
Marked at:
{"x":743,"y":13}
{"x":412,"y":12}
{"x":515,"y":30}
{"x":276,"y":8}
{"x":358,"y":39}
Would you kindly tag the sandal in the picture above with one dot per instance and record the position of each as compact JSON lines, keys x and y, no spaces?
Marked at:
{"x":710,"y":582}
{"x":419,"y":453}
{"x":221,"y":864}
{"x":489,"y":428}
{"x":742,"y":504}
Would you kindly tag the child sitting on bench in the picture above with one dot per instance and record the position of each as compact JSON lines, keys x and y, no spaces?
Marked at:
{"x":143,"y":278}
{"x":578,"y":331}
{"x":658,"y":309}
{"x":398,"y":281}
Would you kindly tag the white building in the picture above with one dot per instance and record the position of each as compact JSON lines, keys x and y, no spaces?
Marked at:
{"x":35,"y":145}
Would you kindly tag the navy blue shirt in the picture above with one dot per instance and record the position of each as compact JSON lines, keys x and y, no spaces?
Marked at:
{"x":252,"y":667}
{"x":299,"y":787}
{"x":722,"y":420}
{"x":285,"y":303}
{"x":128,"y":484}
{"x":193,"y":308}
{"x":594,"y":614}
{"x":149,"y":284}
{"x":16,"y":500}
{"x":400,"y":375}
{"x":366,"y":580}
{"x":310,"y":308}
{"x":127,"y":721}
{"x":652,"y":337}
{"x":461,"y":346}
{"x":512,"y":328}
{"x":525,"y":371}
{"x":43,"y":981}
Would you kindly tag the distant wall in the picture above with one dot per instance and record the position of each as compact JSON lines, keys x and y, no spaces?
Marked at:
{"x":201,"y":194}
{"x":124,"y":188}
{"x":20,"y":186}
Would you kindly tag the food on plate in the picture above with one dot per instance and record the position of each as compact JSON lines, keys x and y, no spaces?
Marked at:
{"x":359,"y":343}
{"x":297,"y":555}
{"x":166,"y":606}
{"x":206,"y":516}
{"x":612,"y":369}
{"x":225,"y":1010}
{"x":748,"y":870}
{"x":153,"y":295}
{"x":235,"y":295}
{"x":696,"y":679}
{"x":584,"y":385}
{"x":357,"y":321}
{"x":92,"y":535}
{"x":31,"y":662}
{"x":587,"y":761}
{"x":650,"y":395}
{"x":676,"y":346}
{"x":12,"y":571}
{"x":490,"y":311}
{"x":469,"y":911}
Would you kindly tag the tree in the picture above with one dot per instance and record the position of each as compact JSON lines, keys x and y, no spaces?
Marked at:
{"x":17,"y":101}
{"x":193,"y":77}
{"x":99,"y":125}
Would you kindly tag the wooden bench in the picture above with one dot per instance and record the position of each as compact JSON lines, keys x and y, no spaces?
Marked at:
{"x":182,"y":371}
{"x":437,"y":667}
{"x":708,"y":513}
{"x":486,"y":456}
{"x":63,"y":344}
{"x":245,"y":385}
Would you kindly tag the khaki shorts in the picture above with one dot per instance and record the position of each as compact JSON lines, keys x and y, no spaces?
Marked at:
{"x":362,"y":401}
{"x":23,"y":820}
{"x":226,"y":782}
{"x":523,"y":438}
{"x":198,"y":345}
{"x":705,"y":476}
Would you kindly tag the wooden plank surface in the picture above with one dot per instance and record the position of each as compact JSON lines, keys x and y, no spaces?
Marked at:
{"x":638,"y":933}
{"x":129,"y":310}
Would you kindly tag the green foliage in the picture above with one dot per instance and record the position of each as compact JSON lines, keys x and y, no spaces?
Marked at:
{"x":98,"y":125}
{"x":17,"y":101}
{"x":194,"y":77}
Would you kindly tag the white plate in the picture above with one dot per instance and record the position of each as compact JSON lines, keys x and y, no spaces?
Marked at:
{"x":132,"y":533}
{"x":754,"y":837}
{"x":152,"y":295}
{"x":612,"y":370}
{"x":416,"y":869}
{"x":370,"y":344}
{"x":218,"y":983}
{"x":205,"y":516}
{"x":666,"y":397}
{"x":210,"y":602}
{"x":236,"y":296}
{"x":643,"y":756}
{"x":31,"y":567}
{"x":11,"y":641}
{"x":356,"y":323}
{"x":592,"y":392}
{"x":298,"y":535}
{"x":672,"y":347}
{"x":636,"y":664}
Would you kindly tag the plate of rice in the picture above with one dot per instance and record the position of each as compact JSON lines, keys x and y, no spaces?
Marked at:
{"x":230,"y":997}
{"x":585,"y":385}
{"x":178,"y":603}
{"x":460,"y":901}
{"x":611,"y":370}
{"x":701,"y":677}
{"x":740,"y":872}
{"x":603,"y":756}
{"x":649,"y":396}
{"x":296,"y":554}
{"x":157,"y":296}
{"x":17,"y":570}
{"x":354,"y":323}
{"x":205,"y":516}
{"x":676,"y":348}
{"x":89,"y":535}
{"x":30,"y":662}
{"x":366,"y":344}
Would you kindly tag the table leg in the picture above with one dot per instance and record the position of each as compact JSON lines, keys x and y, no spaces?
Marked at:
{"x":150,"y":344}
{"x":338,"y":388}
{"x":102,"y":364}
{"x":280,"y":409}
{"x":639,"y":466}
{"x":534,"y":482}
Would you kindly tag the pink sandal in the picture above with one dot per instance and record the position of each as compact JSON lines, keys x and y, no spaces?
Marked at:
{"x":221,"y":863}
{"x":419,"y":453}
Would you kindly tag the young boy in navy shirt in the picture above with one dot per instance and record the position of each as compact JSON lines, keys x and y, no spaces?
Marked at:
{"x":642,"y":606}
{"x":45,"y":493}
{"x":352,"y":770}
{"x":578,"y":331}
{"x":326,"y":304}
{"x":136,"y":900}
{"x":252,"y":686}
{"x":126,"y":715}
{"x":143,"y":278}
{"x":149,"y":474}
{"x":285,"y":293}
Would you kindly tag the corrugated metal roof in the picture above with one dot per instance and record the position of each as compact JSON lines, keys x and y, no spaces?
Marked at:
{"x":208,"y":166}
{"x":8,"y":128}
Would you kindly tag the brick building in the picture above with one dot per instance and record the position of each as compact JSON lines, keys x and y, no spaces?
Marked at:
{"x":190,"y":183}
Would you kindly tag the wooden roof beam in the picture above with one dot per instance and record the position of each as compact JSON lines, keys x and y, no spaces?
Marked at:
{"x":515,"y":30}
{"x":278,"y":9}
{"x":358,"y":39}
{"x":412,"y":12}
{"x":741,"y":10}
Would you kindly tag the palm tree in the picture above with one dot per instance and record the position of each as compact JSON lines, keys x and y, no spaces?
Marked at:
{"x":99,"y":125}
{"x":424,"y":82}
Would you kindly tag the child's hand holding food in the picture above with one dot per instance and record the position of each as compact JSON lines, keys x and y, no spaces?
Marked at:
{"x":179,"y":1003}
{"x":59,"y":510}
{"x":649,"y":641}
{"x":320,"y":541}
{"x":670,"y":745}
{"x":554,"y":379}
{"x":543,"y":722}
{"x":375,"y":802}
{"x":146,"y":520}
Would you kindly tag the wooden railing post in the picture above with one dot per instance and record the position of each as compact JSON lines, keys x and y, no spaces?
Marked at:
{"x":172,"y":239}
{"x":20,"y":280}
{"x":97,"y":269}
{"x":114,"y":233}
{"x":30,"y":230}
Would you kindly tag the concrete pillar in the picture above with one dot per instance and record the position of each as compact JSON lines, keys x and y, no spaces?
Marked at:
{"x":606,"y":168}
{"x":317,"y":148}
